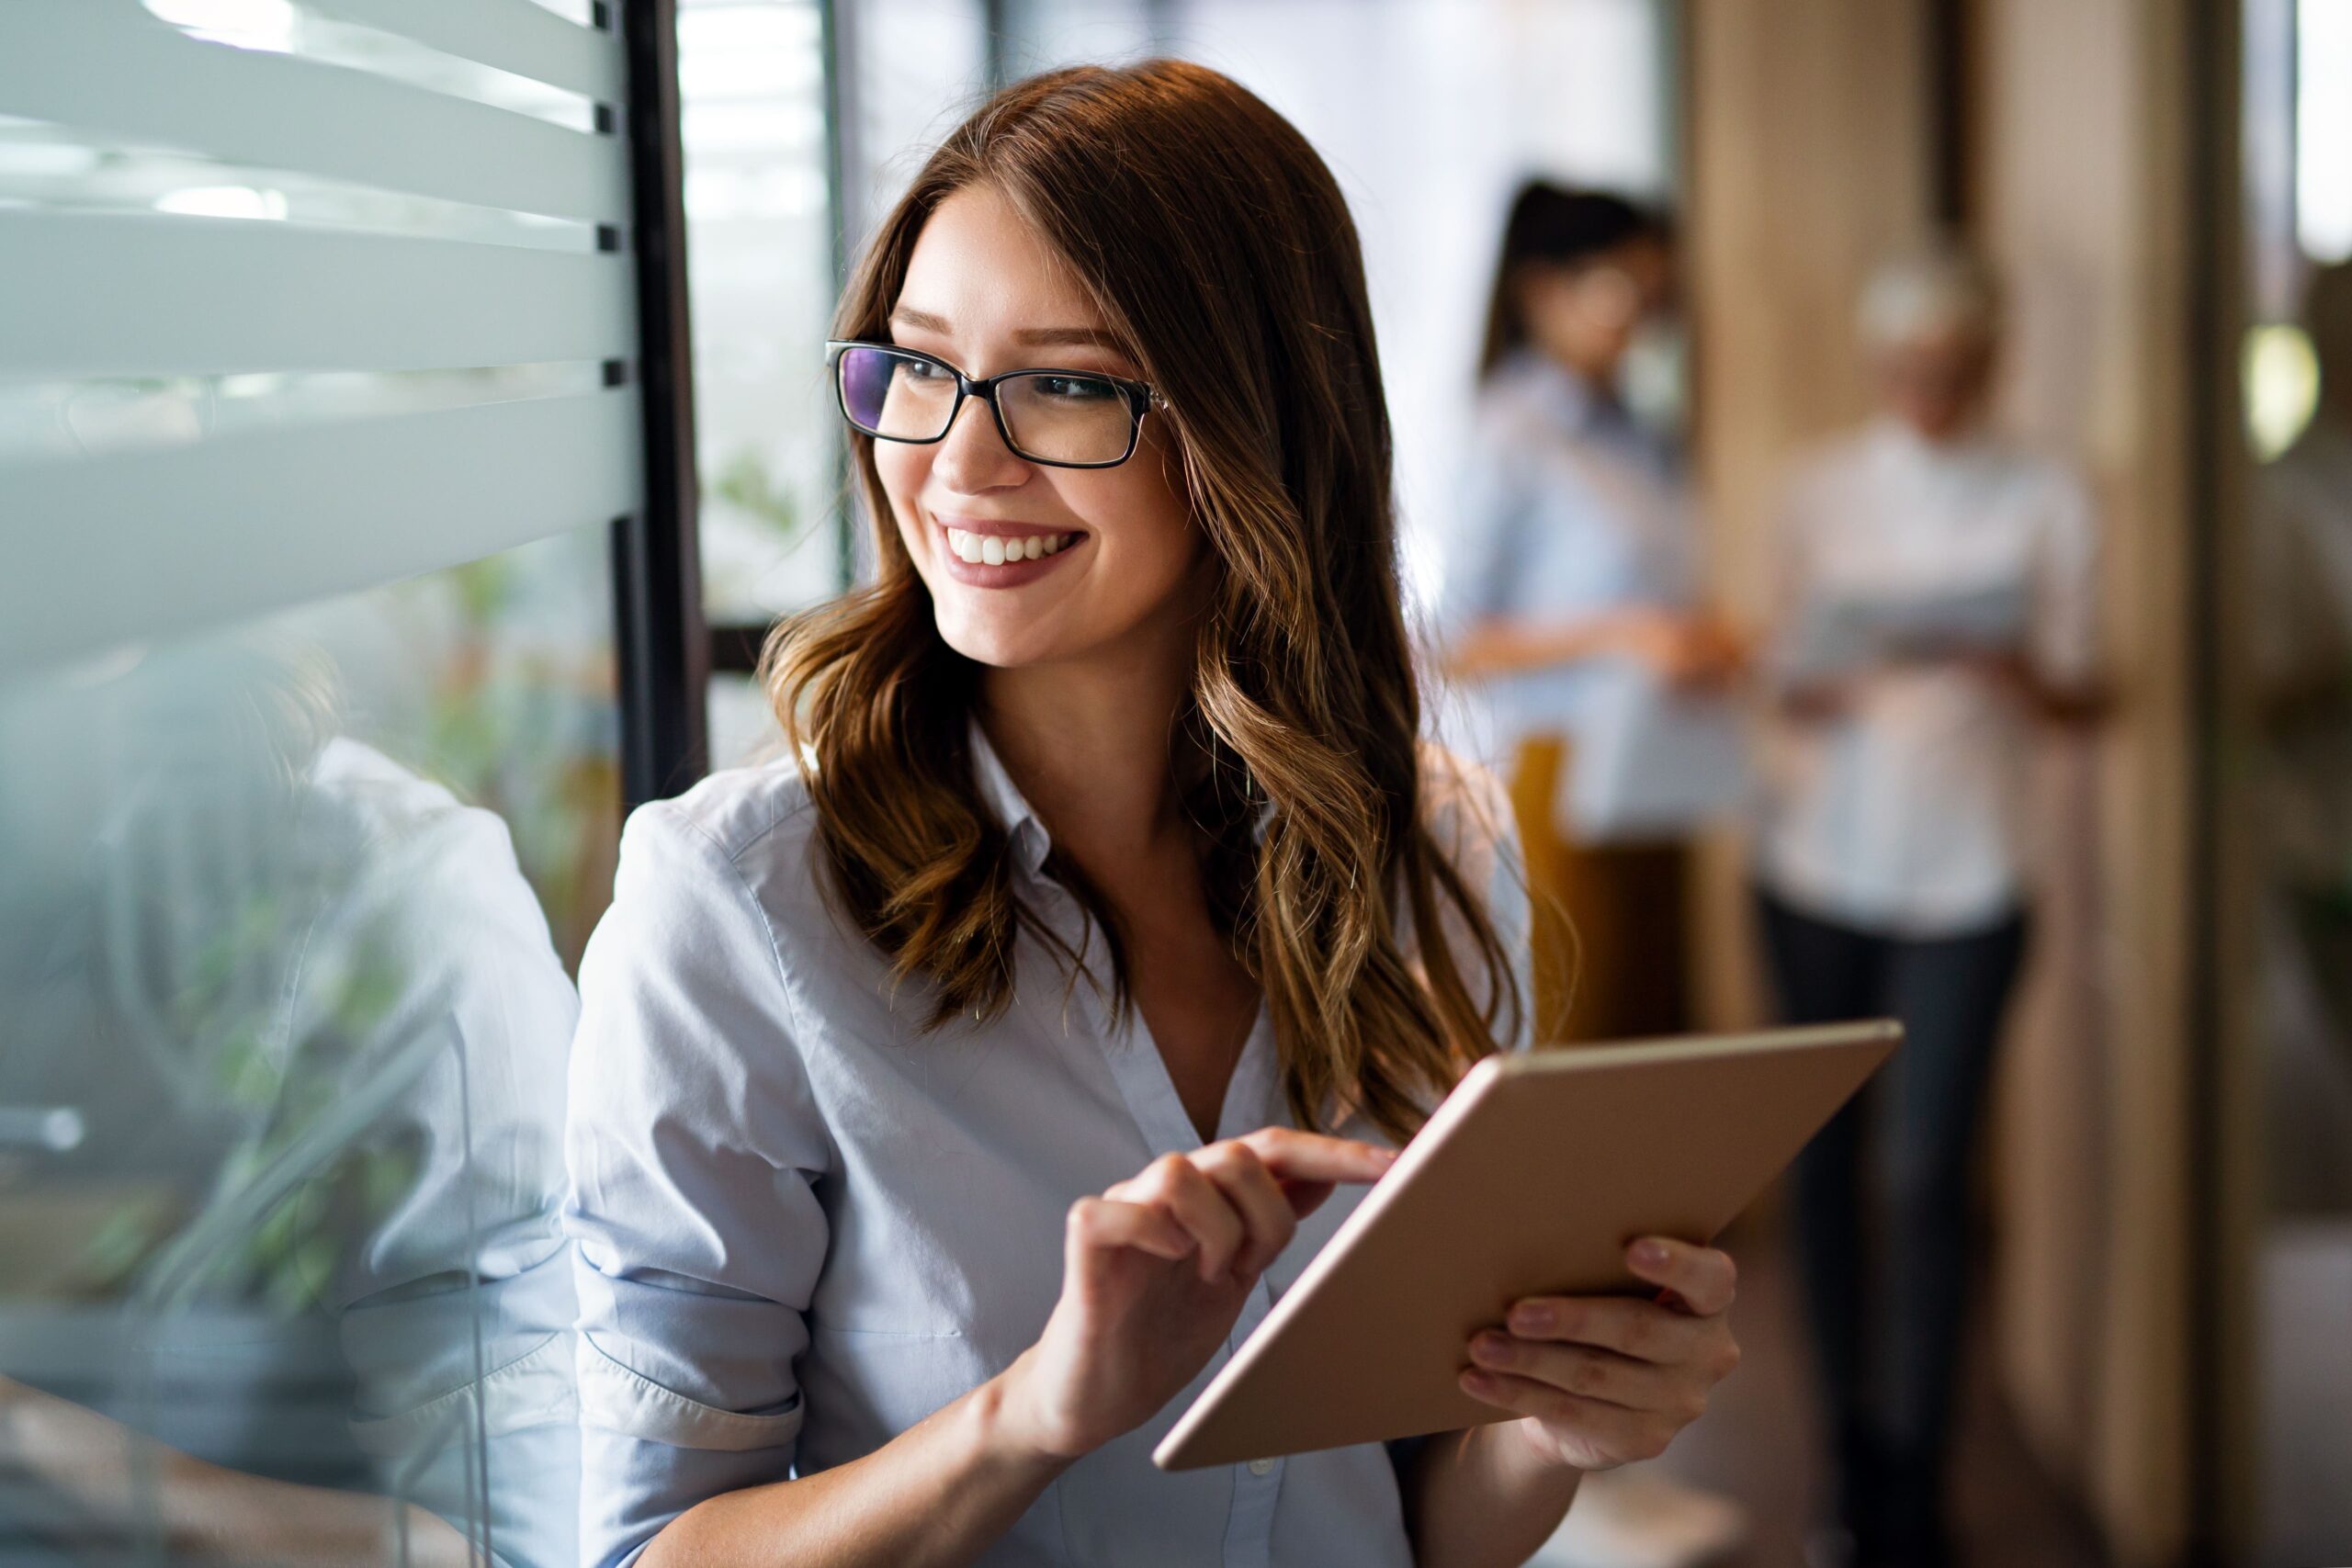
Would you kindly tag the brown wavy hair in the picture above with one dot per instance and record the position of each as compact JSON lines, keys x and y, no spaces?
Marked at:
{"x":1221,"y":254}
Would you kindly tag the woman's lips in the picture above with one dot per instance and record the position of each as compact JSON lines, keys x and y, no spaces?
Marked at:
{"x":1002,"y":555}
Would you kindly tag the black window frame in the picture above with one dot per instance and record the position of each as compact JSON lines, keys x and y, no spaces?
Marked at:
{"x":664,"y":648}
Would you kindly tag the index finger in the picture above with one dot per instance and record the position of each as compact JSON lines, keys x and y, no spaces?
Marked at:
{"x":1294,"y":1156}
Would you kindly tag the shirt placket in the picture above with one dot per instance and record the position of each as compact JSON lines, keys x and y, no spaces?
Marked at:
{"x":1159,"y":1112}
{"x":1257,"y":1484}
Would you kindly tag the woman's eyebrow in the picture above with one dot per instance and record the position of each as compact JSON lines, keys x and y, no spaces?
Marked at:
{"x":1089,"y":337}
{"x":922,"y":321}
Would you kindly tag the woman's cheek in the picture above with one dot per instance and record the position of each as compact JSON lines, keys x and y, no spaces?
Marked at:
{"x":900,"y":487}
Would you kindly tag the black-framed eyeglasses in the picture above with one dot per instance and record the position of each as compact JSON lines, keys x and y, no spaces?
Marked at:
{"x":1065,"y":419}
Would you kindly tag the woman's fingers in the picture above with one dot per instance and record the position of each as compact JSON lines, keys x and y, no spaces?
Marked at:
{"x":1100,"y":1223}
{"x":1705,"y":1278}
{"x":1238,"y":1200}
{"x":1267,"y":1221}
{"x":1592,"y":1374}
{"x":1177,"y":1185}
{"x":1295,"y":1156}
{"x":1612,"y":1379}
{"x":1626,"y":1325}
{"x":1599,"y":1433}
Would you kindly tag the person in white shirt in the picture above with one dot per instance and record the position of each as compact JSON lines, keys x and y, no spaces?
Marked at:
{"x":1934,"y":605}
{"x":950,"y":1099}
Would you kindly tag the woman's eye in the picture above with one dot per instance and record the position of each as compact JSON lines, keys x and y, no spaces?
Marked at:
{"x":1075,"y":388}
{"x":923,"y":370}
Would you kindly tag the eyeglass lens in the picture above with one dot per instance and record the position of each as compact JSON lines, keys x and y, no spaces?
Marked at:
{"x":1055,"y":416}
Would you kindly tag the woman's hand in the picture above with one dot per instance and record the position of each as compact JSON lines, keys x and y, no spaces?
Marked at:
{"x":1693,"y":651}
{"x":1603,"y":1381}
{"x":1154,"y":1275}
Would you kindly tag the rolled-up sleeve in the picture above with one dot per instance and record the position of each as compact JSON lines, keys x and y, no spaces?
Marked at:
{"x":693,"y":1146}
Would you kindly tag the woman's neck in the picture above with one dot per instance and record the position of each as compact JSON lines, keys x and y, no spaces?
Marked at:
{"x":1088,"y":745}
{"x":1598,"y":373}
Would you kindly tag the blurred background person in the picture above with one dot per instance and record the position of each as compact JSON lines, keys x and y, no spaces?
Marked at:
{"x":1934,"y":601}
{"x":1570,"y":594}
{"x":1572,"y":582}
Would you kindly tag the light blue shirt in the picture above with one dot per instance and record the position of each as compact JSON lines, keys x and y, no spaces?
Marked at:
{"x":1565,"y":508}
{"x":803,"y":1227}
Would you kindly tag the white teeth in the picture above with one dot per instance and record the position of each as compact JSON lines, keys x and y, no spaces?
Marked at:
{"x":996,"y":550}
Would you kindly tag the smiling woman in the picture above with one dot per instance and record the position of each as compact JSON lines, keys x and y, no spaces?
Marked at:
{"x":949,"y":1098}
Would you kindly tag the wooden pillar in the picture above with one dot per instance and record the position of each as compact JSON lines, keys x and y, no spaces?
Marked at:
{"x":2082,"y":151}
{"x":1811,"y":157}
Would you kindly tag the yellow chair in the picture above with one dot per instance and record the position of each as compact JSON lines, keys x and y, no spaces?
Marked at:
{"x":1610,"y":920}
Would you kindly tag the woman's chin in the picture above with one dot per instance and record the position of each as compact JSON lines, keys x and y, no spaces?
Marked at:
{"x":985,"y":639}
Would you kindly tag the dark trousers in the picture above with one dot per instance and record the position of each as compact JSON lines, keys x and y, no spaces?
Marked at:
{"x":1882,"y":1203}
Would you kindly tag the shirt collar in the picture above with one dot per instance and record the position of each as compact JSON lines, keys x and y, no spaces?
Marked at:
{"x":1908,"y":445}
{"x":1004,"y":800}
{"x":1563,"y":399}
{"x":1019,"y":818}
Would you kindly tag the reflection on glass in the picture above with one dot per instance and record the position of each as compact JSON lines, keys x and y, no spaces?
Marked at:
{"x":283,"y":956}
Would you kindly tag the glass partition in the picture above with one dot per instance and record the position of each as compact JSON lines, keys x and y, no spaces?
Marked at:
{"x":284,"y":955}
{"x":317,"y":408}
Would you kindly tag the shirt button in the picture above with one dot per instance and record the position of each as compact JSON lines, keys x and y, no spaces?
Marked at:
{"x":1261,"y":1467}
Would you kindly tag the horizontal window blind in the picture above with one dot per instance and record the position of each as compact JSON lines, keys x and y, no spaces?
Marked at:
{"x":177,"y":185}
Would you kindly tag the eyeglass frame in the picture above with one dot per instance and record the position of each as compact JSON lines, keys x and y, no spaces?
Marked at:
{"x":1141,"y":400}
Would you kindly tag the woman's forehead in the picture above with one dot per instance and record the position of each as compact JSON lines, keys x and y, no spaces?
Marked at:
{"x":980,"y":270}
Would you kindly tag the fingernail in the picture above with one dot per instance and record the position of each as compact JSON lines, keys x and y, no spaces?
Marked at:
{"x":1493,"y":1349}
{"x":1531,"y":1317}
{"x":1650,"y":1254}
{"x":1477,"y":1382}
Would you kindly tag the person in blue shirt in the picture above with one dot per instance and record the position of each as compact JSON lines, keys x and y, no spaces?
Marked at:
{"x":1573,"y":563}
{"x":951,"y":1096}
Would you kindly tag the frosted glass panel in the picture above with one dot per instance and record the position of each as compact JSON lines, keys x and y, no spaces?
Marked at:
{"x":112,"y":67}
{"x":185,"y":294}
{"x":203,"y":526}
{"x":284,"y":948}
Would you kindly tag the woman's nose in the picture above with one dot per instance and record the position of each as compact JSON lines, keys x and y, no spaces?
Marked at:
{"x":972,"y":456}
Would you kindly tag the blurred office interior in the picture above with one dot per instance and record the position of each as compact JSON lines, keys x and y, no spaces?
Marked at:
{"x":412,"y":416}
